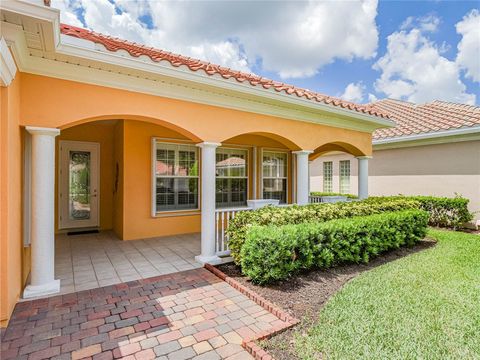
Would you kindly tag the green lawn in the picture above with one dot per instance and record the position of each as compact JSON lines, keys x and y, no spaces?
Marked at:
{"x":424,"y":306}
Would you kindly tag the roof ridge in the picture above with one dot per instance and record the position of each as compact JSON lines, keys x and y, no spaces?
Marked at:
{"x":114,"y":44}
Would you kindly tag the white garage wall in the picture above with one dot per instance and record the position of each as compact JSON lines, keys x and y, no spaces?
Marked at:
{"x":438,"y":170}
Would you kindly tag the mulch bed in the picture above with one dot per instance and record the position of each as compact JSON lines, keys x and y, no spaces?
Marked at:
{"x":304,"y":295}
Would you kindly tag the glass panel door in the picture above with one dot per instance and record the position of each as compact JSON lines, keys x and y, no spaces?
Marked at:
{"x":78,"y":202}
{"x":79,"y":185}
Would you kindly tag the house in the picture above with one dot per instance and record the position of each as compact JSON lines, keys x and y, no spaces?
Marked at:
{"x":98,"y":133}
{"x":434,"y":149}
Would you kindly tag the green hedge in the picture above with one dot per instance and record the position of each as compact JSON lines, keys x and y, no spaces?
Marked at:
{"x":294,"y":214}
{"x":319,"y":193}
{"x":444,"y":212}
{"x":273,"y":253}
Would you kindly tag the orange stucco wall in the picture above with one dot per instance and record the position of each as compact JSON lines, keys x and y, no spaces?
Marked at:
{"x":13,"y":274}
{"x":83,"y":102}
{"x":118,"y":182}
{"x":137,"y":192}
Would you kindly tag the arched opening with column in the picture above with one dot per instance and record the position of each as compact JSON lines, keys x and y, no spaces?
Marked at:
{"x":339,"y":167}
{"x":269,"y":168}
{"x":107,"y":174}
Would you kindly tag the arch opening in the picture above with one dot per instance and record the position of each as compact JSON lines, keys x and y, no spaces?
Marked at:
{"x":265,"y":139}
{"x":125,"y":117}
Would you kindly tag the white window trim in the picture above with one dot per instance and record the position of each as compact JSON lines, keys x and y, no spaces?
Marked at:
{"x":247,"y":176}
{"x":331,"y":176}
{"x":340,"y":176}
{"x":262,"y":151}
{"x":179,"y":212}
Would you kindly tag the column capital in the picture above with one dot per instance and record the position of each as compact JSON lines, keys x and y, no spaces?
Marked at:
{"x":208,"y":144}
{"x":34,"y":130}
{"x":302,"y":152}
{"x":363,"y":157}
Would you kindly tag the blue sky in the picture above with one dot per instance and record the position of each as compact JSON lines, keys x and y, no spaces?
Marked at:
{"x":360,"y":50}
{"x":335,"y":77}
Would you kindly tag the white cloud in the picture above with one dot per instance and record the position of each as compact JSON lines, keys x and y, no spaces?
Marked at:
{"x":428,"y":23}
{"x":372,"y":98}
{"x":413,"y":69}
{"x":468,"y":56}
{"x":67,"y":12}
{"x":293,"y":39}
{"x":354,"y":92}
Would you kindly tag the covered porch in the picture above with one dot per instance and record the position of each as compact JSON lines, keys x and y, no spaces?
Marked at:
{"x":88,"y":261}
{"x":171,"y":196}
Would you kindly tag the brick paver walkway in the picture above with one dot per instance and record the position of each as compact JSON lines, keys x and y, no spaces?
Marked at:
{"x":186,"y":315}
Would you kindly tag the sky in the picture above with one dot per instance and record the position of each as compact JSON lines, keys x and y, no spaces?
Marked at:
{"x":361,"y":51}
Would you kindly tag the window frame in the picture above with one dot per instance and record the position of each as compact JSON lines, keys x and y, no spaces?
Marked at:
{"x":175,"y":142}
{"x":330,"y":163}
{"x":247,"y":174}
{"x":287,"y":171}
{"x":342,"y":176}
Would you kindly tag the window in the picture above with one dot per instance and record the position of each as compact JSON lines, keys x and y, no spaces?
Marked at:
{"x":327,"y":176}
{"x":232,"y":177}
{"x":344,"y":176}
{"x":176,"y":177}
{"x":274,"y":175}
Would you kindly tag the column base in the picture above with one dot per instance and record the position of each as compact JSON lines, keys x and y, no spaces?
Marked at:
{"x":212,"y":260}
{"x":50,"y":288}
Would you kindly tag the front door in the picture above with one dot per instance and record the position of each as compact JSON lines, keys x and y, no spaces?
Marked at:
{"x":79,"y":184}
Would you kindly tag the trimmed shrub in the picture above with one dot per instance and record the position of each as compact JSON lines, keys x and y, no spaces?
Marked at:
{"x":319,"y":193}
{"x":271,"y":215}
{"x":444,"y":212}
{"x":272,"y":253}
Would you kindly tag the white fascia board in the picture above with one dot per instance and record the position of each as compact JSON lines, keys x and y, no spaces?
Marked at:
{"x":8,"y":69}
{"x":439,"y":137}
{"x":85,"y":51}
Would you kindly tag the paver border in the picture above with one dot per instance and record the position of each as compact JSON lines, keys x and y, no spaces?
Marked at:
{"x":249,"y":343}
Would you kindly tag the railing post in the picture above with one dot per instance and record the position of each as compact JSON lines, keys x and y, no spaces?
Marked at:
{"x":208,"y":223}
{"x":302,"y":180}
{"x":363,"y":176}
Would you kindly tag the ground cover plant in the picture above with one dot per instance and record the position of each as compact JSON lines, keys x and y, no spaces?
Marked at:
{"x":271,"y":253}
{"x":421,"y":306}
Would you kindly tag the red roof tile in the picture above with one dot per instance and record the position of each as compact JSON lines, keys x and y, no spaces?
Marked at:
{"x":431,"y":117}
{"x":136,"y":50}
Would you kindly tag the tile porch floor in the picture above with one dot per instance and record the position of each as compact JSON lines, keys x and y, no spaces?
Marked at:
{"x":90,"y":261}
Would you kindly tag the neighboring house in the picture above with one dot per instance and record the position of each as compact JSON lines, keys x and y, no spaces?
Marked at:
{"x":101,"y":133}
{"x":433,"y":150}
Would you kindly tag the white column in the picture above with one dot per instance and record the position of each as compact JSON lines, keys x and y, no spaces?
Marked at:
{"x":363,"y":176}
{"x":42,"y":280}
{"x":302,"y":176}
{"x":208,"y":254}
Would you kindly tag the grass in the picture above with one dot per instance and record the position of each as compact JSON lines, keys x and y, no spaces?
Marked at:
{"x":424,"y":306}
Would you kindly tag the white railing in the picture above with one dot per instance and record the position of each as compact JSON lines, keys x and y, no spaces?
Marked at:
{"x":222,"y":220}
{"x":314,"y":199}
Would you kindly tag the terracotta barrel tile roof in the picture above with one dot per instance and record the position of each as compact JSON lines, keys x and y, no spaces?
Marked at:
{"x":431,"y":117}
{"x":136,"y":50}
